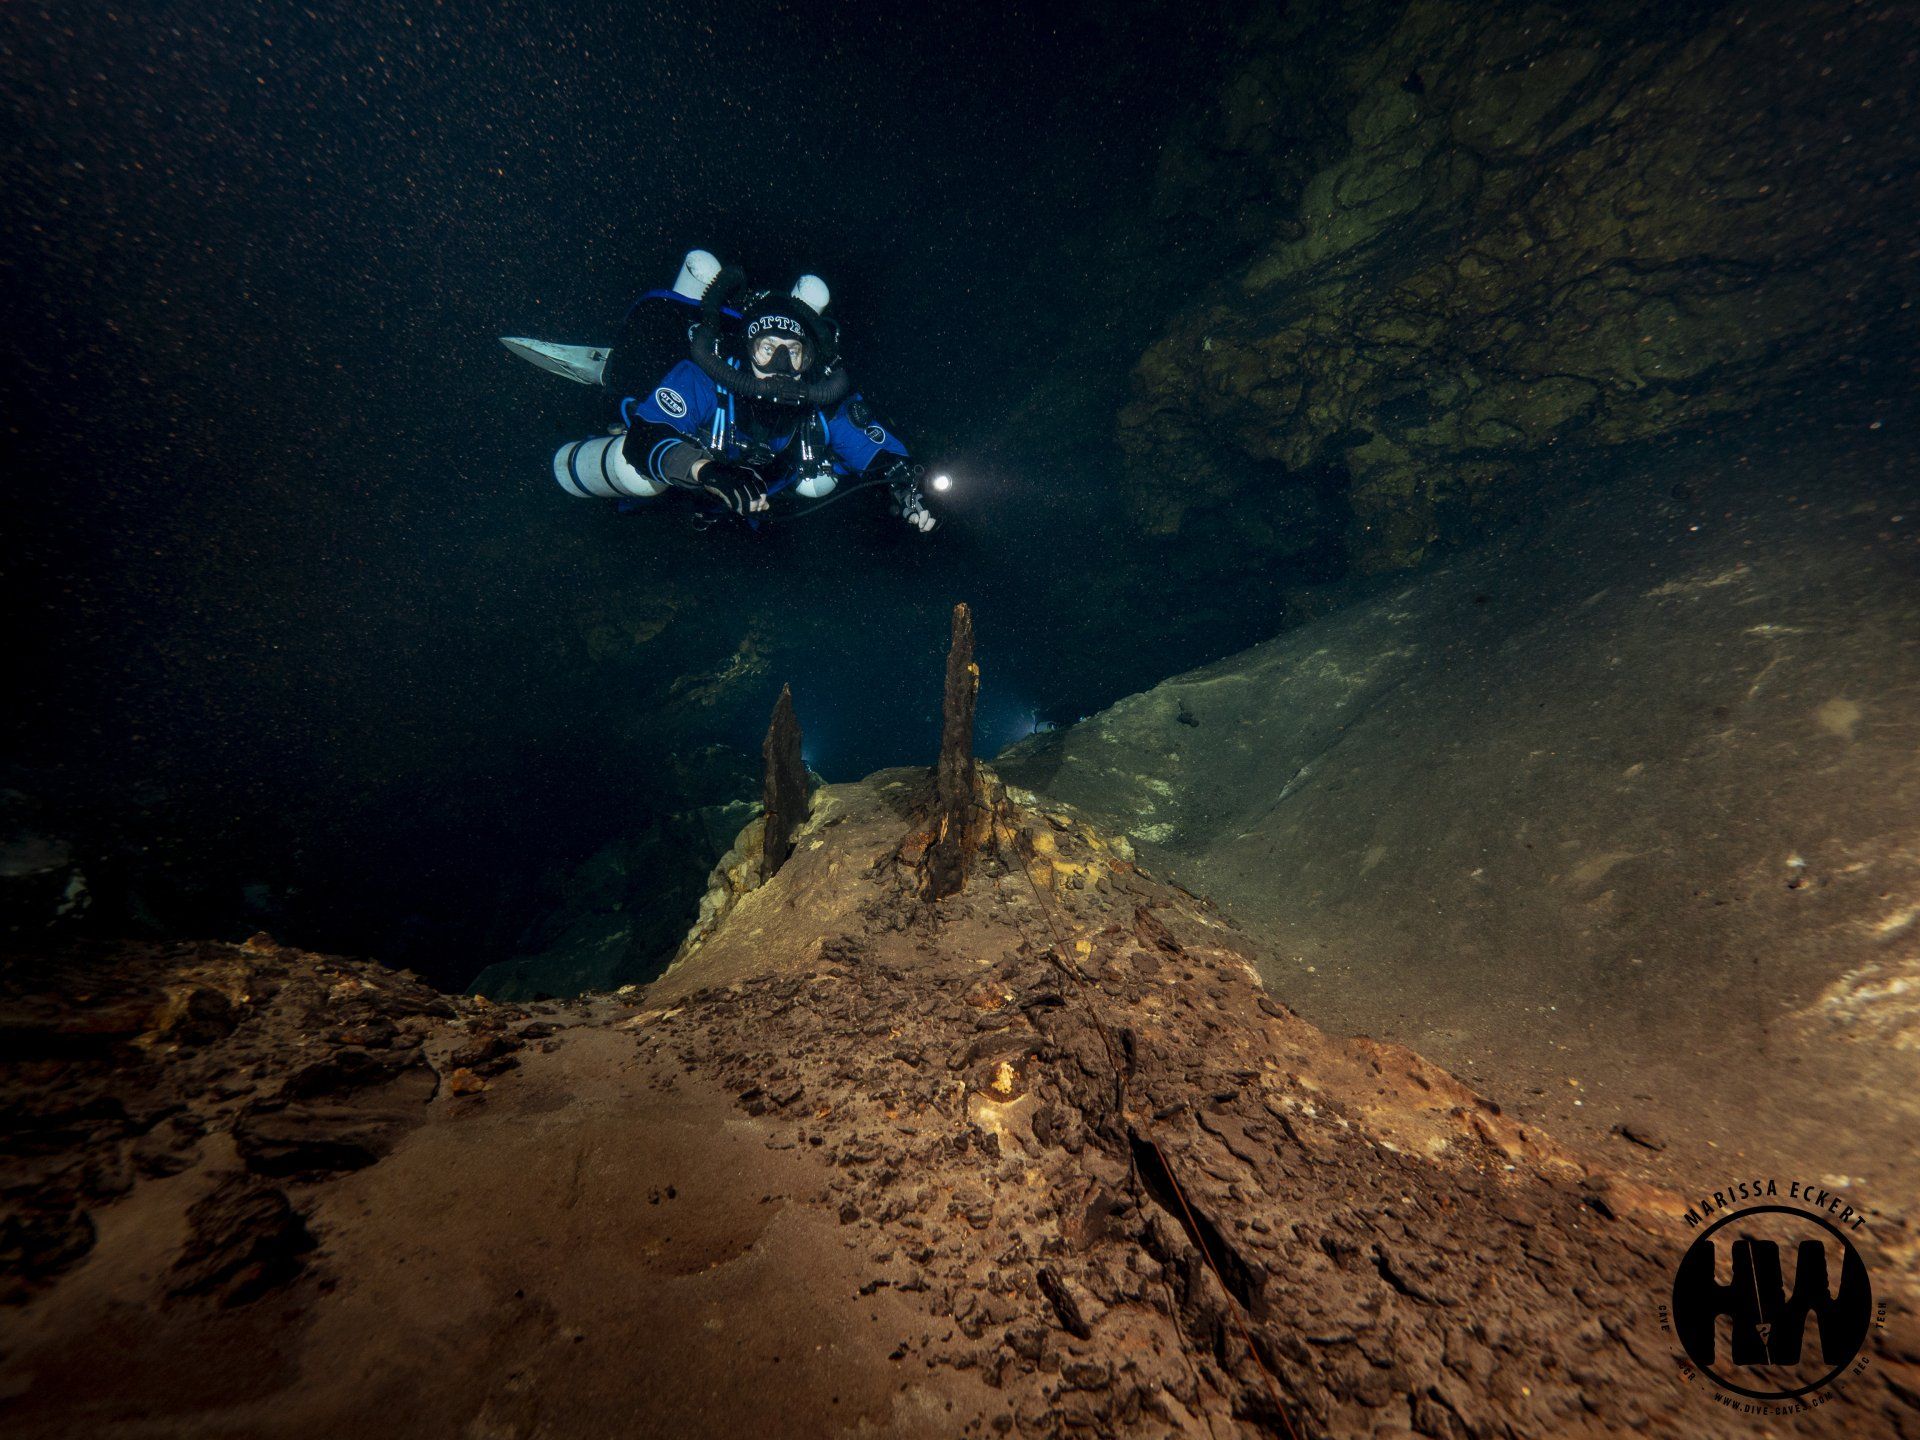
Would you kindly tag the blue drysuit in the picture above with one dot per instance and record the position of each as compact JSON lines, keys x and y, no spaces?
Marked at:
{"x":687,"y":416}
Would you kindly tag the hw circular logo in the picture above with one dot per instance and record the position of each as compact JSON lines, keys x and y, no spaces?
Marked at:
{"x":876,"y":434}
{"x":670,"y":402}
{"x":1746,"y":1291}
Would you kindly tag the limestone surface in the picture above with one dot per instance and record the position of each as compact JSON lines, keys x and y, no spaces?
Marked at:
{"x":1616,"y":817}
{"x":1042,"y":1158}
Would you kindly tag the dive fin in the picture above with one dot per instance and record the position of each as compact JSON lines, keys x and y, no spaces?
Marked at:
{"x":583,"y":363}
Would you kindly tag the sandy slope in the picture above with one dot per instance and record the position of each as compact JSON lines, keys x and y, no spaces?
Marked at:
{"x":1617,"y":819}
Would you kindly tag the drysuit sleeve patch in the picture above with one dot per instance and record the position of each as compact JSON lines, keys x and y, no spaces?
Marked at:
{"x":682,"y":401}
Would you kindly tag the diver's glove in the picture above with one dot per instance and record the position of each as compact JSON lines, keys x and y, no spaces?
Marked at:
{"x":910,"y":506}
{"x":735,"y":486}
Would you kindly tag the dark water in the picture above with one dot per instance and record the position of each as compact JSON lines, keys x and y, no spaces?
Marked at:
{"x":296,"y":606}
{"x":304,"y":637}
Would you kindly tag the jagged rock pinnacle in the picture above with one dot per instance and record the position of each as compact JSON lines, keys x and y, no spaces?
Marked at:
{"x":783,"y":787}
{"x":955,"y":780}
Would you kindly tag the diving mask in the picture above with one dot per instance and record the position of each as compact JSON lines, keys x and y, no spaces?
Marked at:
{"x":778,"y":355}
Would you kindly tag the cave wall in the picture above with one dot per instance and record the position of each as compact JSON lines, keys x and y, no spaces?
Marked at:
{"x":1501,"y":234}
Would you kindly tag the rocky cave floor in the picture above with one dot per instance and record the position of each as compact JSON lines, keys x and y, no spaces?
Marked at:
{"x":1043,"y":1159}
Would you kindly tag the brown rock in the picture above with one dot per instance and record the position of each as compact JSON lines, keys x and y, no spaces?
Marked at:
{"x":37,"y":1243}
{"x":955,"y":781}
{"x":334,"y":1115}
{"x":783,"y":786}
{"x":246,"y":1239}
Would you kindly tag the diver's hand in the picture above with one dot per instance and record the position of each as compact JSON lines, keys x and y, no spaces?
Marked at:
{"x":911,"y":507}
{"x":734,"y":486}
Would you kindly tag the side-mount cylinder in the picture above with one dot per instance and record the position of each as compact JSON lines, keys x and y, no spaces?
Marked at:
{"x":596,"y":470}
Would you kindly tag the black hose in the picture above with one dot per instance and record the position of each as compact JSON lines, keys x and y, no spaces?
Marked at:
{"x":822,"y":394}
{"x":822,"y":504}
{"x":713,"y":299}
{"x":703,"y":346}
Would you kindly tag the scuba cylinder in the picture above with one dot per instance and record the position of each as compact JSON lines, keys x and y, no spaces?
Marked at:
{"x":596,"y":470}
{"x":697,"y":272}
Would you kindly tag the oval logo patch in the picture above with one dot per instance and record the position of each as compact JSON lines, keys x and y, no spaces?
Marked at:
{"x":876,"y":434}
{"x":670,"y":402}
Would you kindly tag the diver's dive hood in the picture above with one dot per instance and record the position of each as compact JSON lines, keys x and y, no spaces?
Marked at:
{"x":830,"y":383}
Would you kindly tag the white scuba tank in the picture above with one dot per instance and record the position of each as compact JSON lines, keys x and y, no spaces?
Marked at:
{"x":596,"y":470}
{"x":696,"y":273}
{"x":812,"y":290}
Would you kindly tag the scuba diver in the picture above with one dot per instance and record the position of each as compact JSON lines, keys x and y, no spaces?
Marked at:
{"x":757,"y":403}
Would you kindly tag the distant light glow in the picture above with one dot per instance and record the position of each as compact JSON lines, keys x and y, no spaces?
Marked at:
{"x":942,"y":482}
{"x":1004,"y":718}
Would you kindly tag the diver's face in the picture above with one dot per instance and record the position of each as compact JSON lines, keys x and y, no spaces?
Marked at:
{"x":778,"y":355}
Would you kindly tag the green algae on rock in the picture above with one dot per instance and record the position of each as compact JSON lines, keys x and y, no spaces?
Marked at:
{"x":1544,"y":229}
